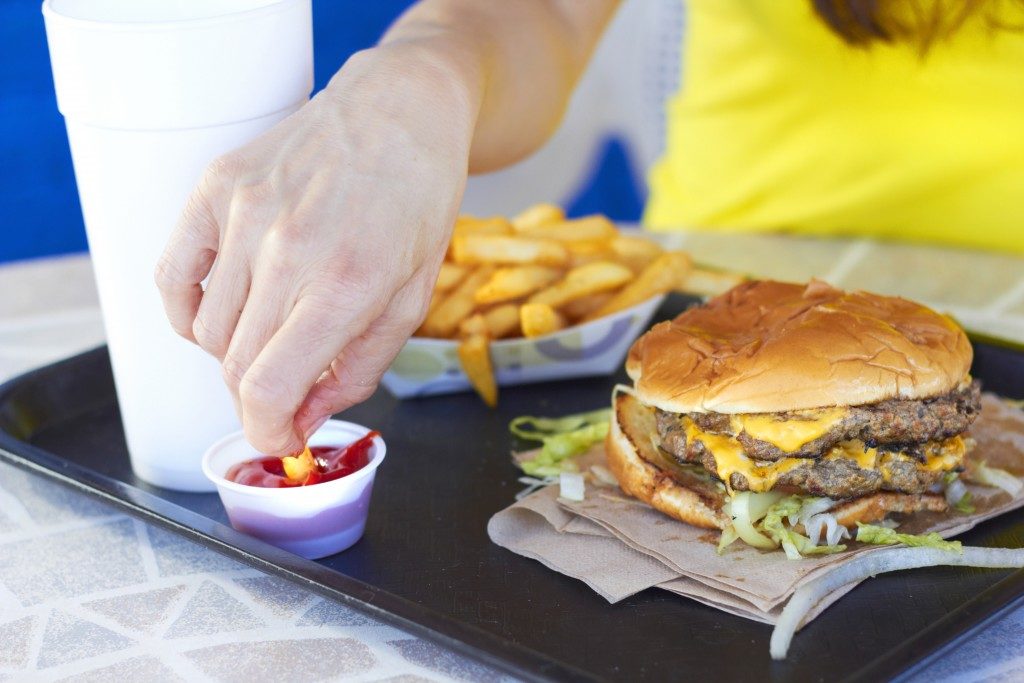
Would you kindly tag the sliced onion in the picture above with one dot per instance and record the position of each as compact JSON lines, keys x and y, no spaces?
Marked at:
{"x":993,"y":476}
{"x":602,"y":474}
{"x":532,"y":485}
{"x":879,"y":562}
{"x":570,"y":486}
{"x":955,"y":492}
{"x":746,"y":508}
{"x":834,"y":531}
{"x":811,"y":508}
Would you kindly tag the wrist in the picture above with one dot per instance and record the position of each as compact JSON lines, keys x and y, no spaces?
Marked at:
{"x":436,"y":71}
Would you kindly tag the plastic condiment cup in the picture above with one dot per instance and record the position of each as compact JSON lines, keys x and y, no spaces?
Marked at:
{"x":311,"y":521}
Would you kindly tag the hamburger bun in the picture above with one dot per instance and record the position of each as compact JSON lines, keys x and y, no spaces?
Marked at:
{"x":765,"y":347}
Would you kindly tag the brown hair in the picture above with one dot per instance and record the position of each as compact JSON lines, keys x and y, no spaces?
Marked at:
{"x":863,"y":22}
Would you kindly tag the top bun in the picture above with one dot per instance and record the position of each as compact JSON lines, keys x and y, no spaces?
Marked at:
{"x":766,"y":347}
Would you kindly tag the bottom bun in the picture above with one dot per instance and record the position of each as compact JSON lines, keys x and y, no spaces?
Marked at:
{"x":631,"y":448}
{"x":698,"y":502}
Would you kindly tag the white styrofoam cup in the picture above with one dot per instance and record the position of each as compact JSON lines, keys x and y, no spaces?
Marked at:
{"x":151,"y":94}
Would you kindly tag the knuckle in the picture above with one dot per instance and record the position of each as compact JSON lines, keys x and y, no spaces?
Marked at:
{"x":167,"y":274}
{"x":224,"y":167}
{"x":232,"y":369}
{"x":262,"y":395}
{"x":210,"y":337}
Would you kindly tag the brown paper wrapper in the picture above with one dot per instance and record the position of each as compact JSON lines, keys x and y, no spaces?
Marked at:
{"x":619,"y":546}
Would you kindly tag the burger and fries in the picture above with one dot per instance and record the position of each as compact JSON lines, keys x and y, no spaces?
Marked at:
{"x":538,"y":273}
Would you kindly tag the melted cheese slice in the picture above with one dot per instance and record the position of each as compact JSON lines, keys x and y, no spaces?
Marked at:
{"x":730,"y":458}
{"x":788,"y":435}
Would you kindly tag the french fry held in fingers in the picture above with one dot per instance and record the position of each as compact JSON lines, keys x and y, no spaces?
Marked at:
{"x":581,"y":281}
{"x":514,"y":283}
{"x":457,"y":305}
{"x":661,"y":276}
{"x":539,"y":319}
{"x":504,"y":250}
{"x":475,"y":358}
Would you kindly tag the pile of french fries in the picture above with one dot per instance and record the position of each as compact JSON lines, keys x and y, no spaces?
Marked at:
{"x":537,"y":273}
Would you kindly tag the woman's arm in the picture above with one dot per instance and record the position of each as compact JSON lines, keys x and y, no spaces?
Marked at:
{"x":523,"y":57}
{"x":320,"y":241}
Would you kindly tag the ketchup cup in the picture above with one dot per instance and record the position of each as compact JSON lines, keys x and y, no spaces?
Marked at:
{"x":311,"y":521}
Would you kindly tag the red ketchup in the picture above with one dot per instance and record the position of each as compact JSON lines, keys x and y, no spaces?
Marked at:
{"x":332,"y":462}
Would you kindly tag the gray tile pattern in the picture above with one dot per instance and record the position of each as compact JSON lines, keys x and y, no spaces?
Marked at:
{"x":72,"y":563}
{"x":147,"y":668}
{"x":212,"y":610}
{"x":315,"y":659}
{"x":68,"y":638}
{"x":15,"y":638}
{"x":143,"y":612}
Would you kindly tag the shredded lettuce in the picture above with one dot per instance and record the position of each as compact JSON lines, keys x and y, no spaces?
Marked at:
{"x":964,"y":505}
{"x":880,"y":535}
{"x":562,"y":438}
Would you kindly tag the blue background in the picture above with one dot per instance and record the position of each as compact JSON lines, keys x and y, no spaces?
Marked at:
{"x":38,"y":199}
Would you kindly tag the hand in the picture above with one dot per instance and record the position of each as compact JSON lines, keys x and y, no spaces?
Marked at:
{"x":322,"y":240}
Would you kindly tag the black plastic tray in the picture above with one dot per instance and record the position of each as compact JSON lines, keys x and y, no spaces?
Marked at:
{"x":427,"y":565}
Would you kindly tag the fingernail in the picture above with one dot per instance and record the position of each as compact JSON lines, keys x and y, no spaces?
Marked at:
{"x":317,"y":425}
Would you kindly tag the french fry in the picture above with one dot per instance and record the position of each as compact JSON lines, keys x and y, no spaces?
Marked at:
{"x":537,"y":216}
{"x":582,"y":307}
{"x":539,"y":319}
{"x":636,"y":253}
{"x":473,"y":325}
{"x":502,"y":321}
{"x":449,"y":276}
{"x":475,"y":358}
{"x":495,"y":225}
{"x":501,"y":249}
{"x":512,"y":283}
{"x":298,"y":467}
{"x":588,"y":229}
{"x":591,"y":278}
{"x":458,"y":304}
{"x":662,"y":275}
{"x":705,"y":282}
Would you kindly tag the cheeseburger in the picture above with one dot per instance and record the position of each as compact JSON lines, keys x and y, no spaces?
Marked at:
{"x":839,"y":407}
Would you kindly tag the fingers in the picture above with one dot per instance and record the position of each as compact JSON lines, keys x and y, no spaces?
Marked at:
{"x":354,"y":375}
{"x":190,"y":253}
{"x":275,"y":383}
{"x":227,"y":287}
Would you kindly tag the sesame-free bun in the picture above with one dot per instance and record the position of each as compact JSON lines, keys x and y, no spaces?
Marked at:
{"x":693,"y":500}
{"x":765,"y":347}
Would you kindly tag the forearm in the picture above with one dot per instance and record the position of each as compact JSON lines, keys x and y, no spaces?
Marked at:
{"x":512,"y":65}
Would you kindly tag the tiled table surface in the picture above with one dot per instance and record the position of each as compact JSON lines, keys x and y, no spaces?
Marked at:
{"x":90,"y":594}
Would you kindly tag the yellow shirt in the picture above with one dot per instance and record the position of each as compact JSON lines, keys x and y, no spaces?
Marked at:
{"x":779,"y":125}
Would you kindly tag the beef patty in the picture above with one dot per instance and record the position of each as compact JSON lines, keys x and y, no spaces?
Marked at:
{"x":893,"y":422}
